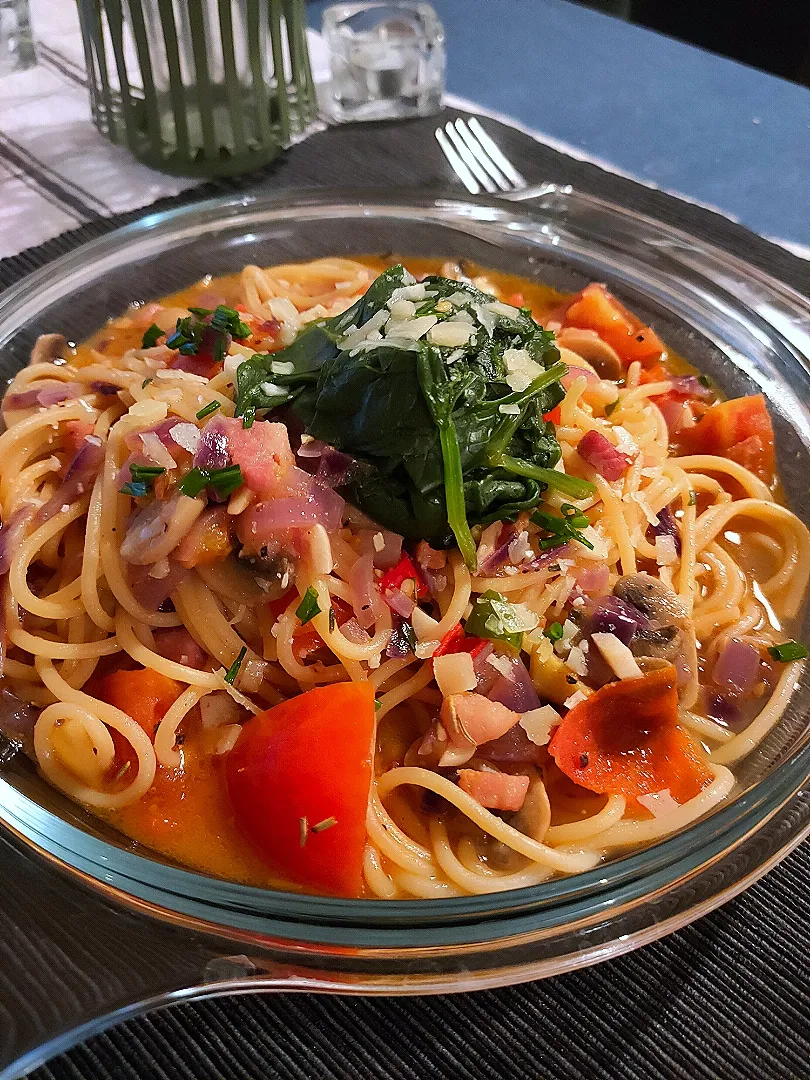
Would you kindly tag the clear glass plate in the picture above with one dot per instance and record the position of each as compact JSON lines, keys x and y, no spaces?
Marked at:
{"x":185,"y":934}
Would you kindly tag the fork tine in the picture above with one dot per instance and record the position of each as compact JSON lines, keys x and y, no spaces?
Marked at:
{"x":482,"y":157}
{"x":457,"y":164}
{"x":495,"y":153}
{"x":472,"y":164}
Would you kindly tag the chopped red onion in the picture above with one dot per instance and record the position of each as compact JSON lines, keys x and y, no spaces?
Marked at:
{"x":611,"y":615}
{"x":12,"y":534}
{"x":176,"y":643}
{"x":353,"y":631}
{"x":603,"y":456}
{"x":151,"y":592}
{"x":500,"y":553}
{"x":724,"y":712}
{"x":593,"y":578}
{"x":366,"y":600}
{"x":46,"y":393}
{"x":690,"y":385}
{"x":736,"y":667}
{"x":212,"y":450}
{"x":514,"y":747}
{"x":334,"y":468}
{"x":398,"y":645}
{"x":390,"y":552}
{"x":106,"y":389}
{"x":516,"y":690}
{"x":544,"y":559}
{"x":667,"y":526}
{"x":313,"y":448}
{"x":400,"y":603}
{"x":79,"y":478}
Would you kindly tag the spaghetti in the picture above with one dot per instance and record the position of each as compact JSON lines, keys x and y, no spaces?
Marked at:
{"x":569,"y":674}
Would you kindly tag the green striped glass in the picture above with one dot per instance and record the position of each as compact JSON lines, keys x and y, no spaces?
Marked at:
{"x":199,"y":87}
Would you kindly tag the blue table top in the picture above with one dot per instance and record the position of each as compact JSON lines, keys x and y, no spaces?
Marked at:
{"x":669,"y":114}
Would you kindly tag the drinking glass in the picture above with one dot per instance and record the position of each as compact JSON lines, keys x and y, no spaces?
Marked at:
{"x":387,"y":60}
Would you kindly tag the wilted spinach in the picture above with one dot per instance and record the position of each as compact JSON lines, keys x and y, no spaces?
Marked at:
{"x":441,"y":440}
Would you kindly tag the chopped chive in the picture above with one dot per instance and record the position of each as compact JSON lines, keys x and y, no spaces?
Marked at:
{"x":303,"y":829}
{"x":327,"y":823}
{"x":248,"y":418}
{"x":223,"y":481}
{"x":150,"y":337}
{"x":377,"y":705}
{"x":332,"y":620}
{"x":233,"y":670}
{"x":787,"y":651}
{"x":704,"y":380}
{"x":143,"y":476}
{"x":211,"y":407}
{"x":137,"y":489}
{"x":554,"y":632}
{"x":309,"y":607}
{"x":611,"y":406}
{"x":146,"y":382}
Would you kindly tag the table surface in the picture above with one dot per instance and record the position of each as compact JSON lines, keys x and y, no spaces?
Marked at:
{"x":668,"y":113}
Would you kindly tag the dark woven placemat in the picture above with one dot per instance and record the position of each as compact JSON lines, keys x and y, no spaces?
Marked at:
{"x":725,"y":999}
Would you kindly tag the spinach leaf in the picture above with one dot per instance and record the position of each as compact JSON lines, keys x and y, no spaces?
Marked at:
{"x":441,"y":437}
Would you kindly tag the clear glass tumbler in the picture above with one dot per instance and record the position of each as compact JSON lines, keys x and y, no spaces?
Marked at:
{"x":16,"y":43}
{"x":387,"y":60}
{"x":199,"y":87}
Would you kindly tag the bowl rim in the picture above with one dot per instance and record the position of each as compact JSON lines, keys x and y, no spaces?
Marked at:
{"x":747,"y":812}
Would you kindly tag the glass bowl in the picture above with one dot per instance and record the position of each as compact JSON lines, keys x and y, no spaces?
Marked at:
{"x":177,"y":933}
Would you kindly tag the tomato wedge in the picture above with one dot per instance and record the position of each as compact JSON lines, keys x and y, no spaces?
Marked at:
{"x":625,"y":740}
{"x":143,"y":694}
{"x":298,"y":780}
{"x":739,"y":429}
{"x":595,"y":309}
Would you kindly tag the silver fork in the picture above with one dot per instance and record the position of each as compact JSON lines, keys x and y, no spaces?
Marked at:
{"x":477,"y":160}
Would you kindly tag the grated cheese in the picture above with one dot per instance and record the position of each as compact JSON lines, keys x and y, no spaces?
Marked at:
{"x":617,"y":655}
{"x":538,"y":724}
{"x":574,"y":700}
{"x":665,"y":551}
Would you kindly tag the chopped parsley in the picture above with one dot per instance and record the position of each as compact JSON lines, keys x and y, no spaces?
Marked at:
{"x":554,"y":632}
{"x":787,"y":651}
{"x":233,"y":670}
{"x":309,"y":607}
{"x":150,"y":337}
{"x":206,"y":410}
{"x":146,"y":382}
{"x":223,"y":481}
{"x":564,"y":528}
{"x":611,"y":407}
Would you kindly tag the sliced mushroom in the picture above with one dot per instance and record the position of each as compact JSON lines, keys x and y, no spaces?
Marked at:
{"x":533,"y":820}
{"x":589,"y":346}
{"x":670,"y":635}
{"x":47,"y":348}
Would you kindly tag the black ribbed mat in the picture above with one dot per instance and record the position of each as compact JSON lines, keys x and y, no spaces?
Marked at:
{"x":728,"y":998}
